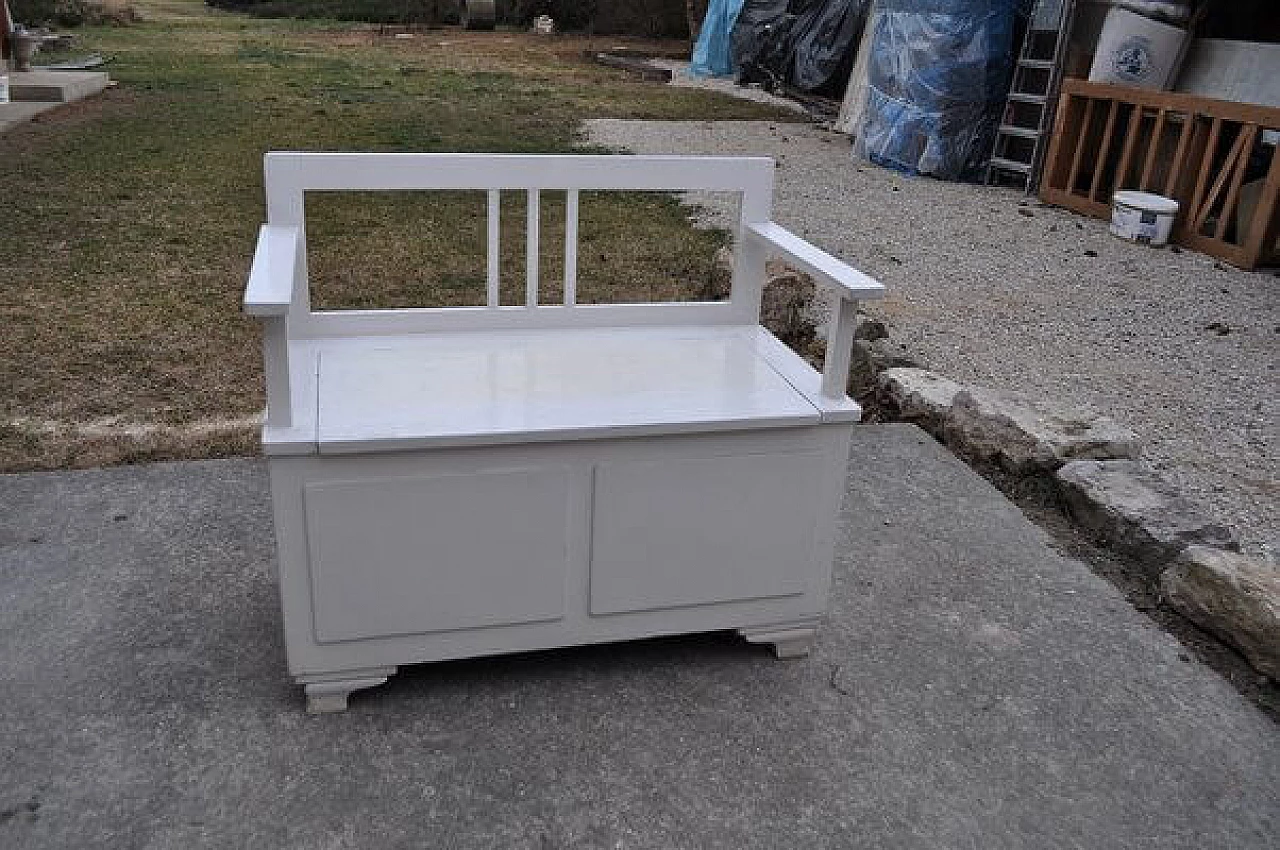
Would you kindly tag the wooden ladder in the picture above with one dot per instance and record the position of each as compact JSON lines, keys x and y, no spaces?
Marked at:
{"x":1028,"y":114}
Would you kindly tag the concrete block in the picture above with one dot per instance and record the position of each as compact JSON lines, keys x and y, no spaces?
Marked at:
{"x":55,"y":86}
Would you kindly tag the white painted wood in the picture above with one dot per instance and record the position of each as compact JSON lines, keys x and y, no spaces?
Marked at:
{"x":825,"y":269}
{"x":392,"y":556}
{"x":494,"y":245}
{"x":269,"y":291}
{"x":531,"y":249}
{"x":432,"y":320}
{"x":797,"y":372}
{"x":571,"y":248}
{"x":468,"y":389}
{"x":789,"y":640}
{"x":670,"y":533}
{"x":308,"y":658}
{"x":835,"y":368}
{"x":292,"y":173}
{"x":275,"y":355}
{"x":466,"y":481}
{"x":328,"y":694}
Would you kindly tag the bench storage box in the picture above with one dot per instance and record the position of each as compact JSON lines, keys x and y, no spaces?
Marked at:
{"x":457,"y":482}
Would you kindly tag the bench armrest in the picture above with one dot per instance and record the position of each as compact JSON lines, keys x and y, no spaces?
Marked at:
{"x":849,"y":283}
{"x":268,"y":295}
{"x":269,"y":291}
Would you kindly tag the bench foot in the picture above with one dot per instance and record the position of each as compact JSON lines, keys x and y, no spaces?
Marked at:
{"x":790,"y":640}
{"x":327,"y":692}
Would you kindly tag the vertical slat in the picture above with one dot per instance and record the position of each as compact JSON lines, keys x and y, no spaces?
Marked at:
{"x":1126,"y":154}
{"x":1153,"y":150}
{"x":495,"y":254}
{"x":1202,"y":179}
{"x":1074,"y":174}
{"x":1112,"y":109}
{"x":571,"y":247}
{"x":1189,"y":125}
{"x":531,"y":250}
{"x":1248,"y":135}
{"x":1265,"y":223}
{"x":835,"y":366}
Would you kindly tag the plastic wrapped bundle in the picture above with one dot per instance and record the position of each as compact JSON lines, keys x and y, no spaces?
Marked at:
{"x":713,"y":54}
{"x":826,"y":40}
{"x":938,"y":76}
{"x":806,"y":44}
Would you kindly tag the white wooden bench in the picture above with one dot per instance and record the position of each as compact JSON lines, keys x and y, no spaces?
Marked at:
{"x":456,"y":482}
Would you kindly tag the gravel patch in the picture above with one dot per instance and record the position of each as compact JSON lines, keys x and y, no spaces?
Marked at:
{"x":993,"y":289}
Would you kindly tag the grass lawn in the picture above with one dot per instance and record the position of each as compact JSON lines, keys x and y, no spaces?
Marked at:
{"x":129,"y":219}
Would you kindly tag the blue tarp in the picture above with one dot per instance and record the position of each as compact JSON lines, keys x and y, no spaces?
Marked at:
{"x":713,"y":54}
{"x":938,"y":76}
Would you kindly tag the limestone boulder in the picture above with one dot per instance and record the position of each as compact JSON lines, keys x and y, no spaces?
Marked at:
{"x":918,"y":395}
{"x":1026,"y":435}
{"x":1129,"y":507}
{"x":1234,"y":596}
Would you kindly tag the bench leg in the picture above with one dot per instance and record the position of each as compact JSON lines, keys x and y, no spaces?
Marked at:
{"x":790,"y":640}
{"x":327,"y":692}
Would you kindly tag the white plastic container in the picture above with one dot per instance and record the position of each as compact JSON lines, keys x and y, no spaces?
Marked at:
{"x":1143,"y":217}
{"x":1136,"y":51}
{"x":4,"y":87}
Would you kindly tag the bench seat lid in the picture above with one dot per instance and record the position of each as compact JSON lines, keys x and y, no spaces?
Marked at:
{"x":484,"y":388}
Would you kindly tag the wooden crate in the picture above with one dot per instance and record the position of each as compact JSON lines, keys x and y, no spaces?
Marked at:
{"x":1212,"y":156}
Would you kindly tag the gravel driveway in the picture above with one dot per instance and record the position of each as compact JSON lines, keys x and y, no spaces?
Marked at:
{"x":993,"y":290}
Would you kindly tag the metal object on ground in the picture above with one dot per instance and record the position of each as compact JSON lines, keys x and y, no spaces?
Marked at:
{"x":479,"y":14}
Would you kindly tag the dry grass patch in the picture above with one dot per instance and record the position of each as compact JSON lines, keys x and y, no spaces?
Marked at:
{"x":131,"y":218}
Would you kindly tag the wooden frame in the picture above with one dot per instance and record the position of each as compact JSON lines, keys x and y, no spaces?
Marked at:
{"x":466,"y":481}
{"x":1194,"y":149}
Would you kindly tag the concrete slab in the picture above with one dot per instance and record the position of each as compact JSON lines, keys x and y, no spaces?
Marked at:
{"x":973,"y":689}
{"x":14,"y":113}
{"x":55,"y":86}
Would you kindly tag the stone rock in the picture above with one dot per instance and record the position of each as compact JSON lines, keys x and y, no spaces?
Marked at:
{"x":876,"y":355}
{"x":720,"y":278}
{"x":1233,"y":596}
{"x":1128,"y":506}
{"x":786,"y":307}
{"x":919,"y":396}
{"x":1025,"y":434}
{"x":870,"y":329}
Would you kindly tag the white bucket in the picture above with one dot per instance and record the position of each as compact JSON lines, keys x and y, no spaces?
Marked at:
{"x":1143,"y":217}
{"x":4,"y":87}
{"x":1135,"y":51}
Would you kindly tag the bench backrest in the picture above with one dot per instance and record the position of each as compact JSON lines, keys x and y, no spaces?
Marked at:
{"x":289,"y":176}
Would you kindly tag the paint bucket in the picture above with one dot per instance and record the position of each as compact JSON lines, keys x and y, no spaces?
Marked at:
{"x":1142,"y":217}
{"x":1136,"y":51}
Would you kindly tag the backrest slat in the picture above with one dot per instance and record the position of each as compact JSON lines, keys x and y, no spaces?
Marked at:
{"x":531,"y":249}
{"x":494,"y":277}
{"x":571,"y":248}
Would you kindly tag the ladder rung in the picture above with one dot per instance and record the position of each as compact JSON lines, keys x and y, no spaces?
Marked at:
{"x":1013,"y":130}
{"x":1010,"y":165}
{"x":1038,"y":64}
{"x":1027,"y":97}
